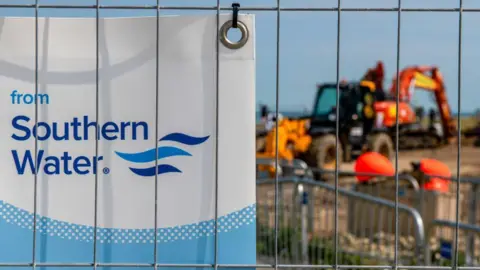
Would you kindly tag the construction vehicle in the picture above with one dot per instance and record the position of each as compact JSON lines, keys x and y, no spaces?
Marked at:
{"x":312,"y":138}
{"x":367,"y":120}
{"x":412,"y":135}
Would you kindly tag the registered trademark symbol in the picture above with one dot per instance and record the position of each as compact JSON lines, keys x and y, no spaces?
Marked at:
{"x":106,"y":170}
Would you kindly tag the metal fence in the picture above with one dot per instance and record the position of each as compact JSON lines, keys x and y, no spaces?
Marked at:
{"x":439,"y":214}
{"x":306,"y":223}
{"x":366,"y":221}
{"x":285,"y":217}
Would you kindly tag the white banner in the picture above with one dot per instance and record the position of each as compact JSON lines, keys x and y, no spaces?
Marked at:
{"x":127,"y":116}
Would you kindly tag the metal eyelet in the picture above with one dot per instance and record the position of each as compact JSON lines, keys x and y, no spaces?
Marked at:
{"x":228,"y":43}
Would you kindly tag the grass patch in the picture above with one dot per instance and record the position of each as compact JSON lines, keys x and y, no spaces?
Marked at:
{"x":322,"y":251}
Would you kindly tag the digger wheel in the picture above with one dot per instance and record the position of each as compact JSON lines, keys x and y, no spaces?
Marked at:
{"x":322,"y":155}
{"x":382,"y":144}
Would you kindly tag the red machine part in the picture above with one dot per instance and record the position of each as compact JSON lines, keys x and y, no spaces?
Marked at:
{"x":386,"y":110}
{"x":376,"y":75}
{"x":387,"y":113}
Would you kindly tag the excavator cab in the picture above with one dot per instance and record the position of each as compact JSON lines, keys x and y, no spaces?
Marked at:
{"x":352,"y":100}
{"x":356,"y":114}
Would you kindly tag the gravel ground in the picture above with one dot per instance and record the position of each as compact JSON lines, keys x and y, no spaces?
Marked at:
{"x":469,"y":165}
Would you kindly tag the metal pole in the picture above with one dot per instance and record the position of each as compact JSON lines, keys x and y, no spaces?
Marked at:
{"x":304,"y":212}
{"x":470,"y":250}
{"x":294,"y":243}
{"x":311,"y":209}
{"x":459,"y":130}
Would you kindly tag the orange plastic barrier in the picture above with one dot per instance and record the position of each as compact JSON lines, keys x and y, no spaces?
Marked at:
{"x":374,"y":163}
{"x":437,"y":168}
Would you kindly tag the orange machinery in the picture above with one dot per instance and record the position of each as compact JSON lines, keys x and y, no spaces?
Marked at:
{"x":298,"y":139}
{"x":385,"y":108}
{"x":415,"y":77}
{"x":293,"y":140}
{"x":410,"y":78}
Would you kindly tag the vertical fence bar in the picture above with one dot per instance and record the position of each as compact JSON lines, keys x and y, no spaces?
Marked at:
{"x":97,"y":95}
{"x":472,"y":219}
{"x":303,"y":192}
{"x":157,"y":82}
{"x":337,"y":128}
{"x":35,"y":176}
{"x":397,"y":130}
{"x":311,"y":209}
{"x":217,"y":121}
{"x":277,"y":99}
{"x":459,"y":131}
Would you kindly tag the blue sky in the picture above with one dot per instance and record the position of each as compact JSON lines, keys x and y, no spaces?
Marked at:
{"x":308,"y":43}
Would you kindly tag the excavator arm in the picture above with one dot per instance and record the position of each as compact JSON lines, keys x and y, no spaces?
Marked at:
{"x":416,"y":77}
{"x":375,"y":75}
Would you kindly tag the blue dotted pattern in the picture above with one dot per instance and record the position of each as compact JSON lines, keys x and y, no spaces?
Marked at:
{"x":65,"y":230}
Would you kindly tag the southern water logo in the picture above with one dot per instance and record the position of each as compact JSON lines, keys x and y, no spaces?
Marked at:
{"x":163,"y":152}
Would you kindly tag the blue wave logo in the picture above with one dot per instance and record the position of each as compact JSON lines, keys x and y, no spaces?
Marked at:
{"x":163,"y":152}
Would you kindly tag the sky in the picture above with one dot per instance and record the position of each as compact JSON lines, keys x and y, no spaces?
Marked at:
{"x":308,"y":41}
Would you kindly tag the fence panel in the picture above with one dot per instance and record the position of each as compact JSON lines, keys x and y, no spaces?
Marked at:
{"x":307,"y":224}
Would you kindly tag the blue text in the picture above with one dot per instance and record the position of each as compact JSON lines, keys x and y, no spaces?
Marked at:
{"x":78,"y":129}
{"x":19,"y":98}
{"x":53,"y":165}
